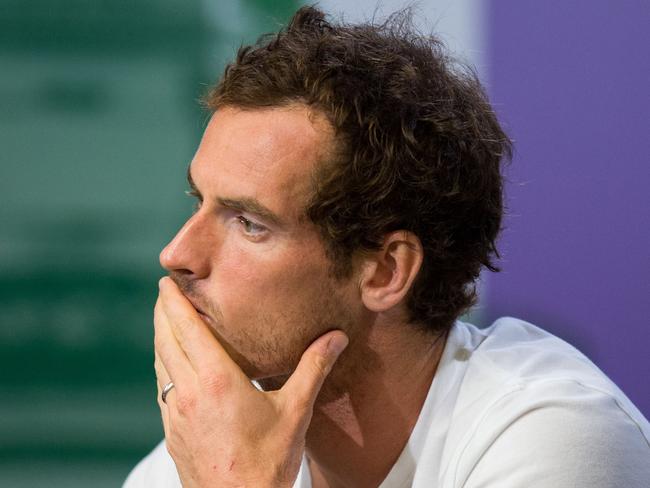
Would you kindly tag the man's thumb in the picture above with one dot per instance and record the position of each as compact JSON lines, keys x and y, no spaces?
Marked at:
{"x":336,"y":345}
{"x":314,"y":366}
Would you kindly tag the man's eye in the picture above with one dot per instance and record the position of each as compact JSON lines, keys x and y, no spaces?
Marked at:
{"x":250,"y":227}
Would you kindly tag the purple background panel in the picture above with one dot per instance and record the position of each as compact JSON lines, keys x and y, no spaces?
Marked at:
{"x":571,"y":83}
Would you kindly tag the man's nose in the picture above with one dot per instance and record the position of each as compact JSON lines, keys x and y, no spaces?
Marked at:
{"x":187,"y":253}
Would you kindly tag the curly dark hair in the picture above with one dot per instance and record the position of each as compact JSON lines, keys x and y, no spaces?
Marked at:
{"x":418,"y":147}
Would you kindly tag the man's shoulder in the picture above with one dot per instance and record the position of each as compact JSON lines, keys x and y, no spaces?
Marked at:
{"x":527,"y":398}
{"x":560,"y":431}
{"x":155,"y":469}
{"x":515,"y":365}
{"x":513,"y":351}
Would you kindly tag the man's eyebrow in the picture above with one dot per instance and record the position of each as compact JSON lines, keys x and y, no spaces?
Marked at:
{"x":244,"y":204}
{"x":251,"y":206}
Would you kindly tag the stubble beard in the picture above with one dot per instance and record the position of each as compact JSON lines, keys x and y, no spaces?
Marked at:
{"x":270,"y":359}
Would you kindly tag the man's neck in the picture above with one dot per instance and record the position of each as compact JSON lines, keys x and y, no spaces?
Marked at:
{"x":369,"y":405}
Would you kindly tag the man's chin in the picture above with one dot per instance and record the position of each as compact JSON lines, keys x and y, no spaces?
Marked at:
{"x":239,"y":359}
{"x":267,"y":374}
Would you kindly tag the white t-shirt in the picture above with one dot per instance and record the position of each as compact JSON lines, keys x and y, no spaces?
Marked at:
{"x":510,"y":406}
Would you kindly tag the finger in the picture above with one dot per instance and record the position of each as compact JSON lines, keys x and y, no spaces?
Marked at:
{"x":195,"y":339}
{"x":162,"y":378}
{"x":176,"y":365}
{"x":314,"y":366}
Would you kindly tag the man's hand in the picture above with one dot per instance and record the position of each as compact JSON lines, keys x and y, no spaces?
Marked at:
{"x":219,"y":429}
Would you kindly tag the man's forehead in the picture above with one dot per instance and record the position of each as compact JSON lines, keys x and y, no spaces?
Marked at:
{"x":286,"y":139}
{"x":269,"y":153}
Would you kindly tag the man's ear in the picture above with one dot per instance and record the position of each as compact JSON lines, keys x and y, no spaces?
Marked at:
{"x":388,"y":273}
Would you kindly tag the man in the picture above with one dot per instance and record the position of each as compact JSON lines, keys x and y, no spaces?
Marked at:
{"x":348,"y":193}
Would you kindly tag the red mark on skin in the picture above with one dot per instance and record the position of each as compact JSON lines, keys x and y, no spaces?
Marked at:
{"x":232,"y":463}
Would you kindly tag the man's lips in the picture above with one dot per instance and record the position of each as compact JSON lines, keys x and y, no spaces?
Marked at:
{"x":200,"y":311}
{"x":206,"y":318}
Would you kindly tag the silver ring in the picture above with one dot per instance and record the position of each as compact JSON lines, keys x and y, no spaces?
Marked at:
{"x":166,"y":389}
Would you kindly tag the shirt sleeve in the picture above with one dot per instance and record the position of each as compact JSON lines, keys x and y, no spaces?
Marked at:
{"x":557,"y":435}
{"x":157,"y":470}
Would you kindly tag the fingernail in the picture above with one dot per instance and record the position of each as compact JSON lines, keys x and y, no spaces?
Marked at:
{"x":338,"y":343}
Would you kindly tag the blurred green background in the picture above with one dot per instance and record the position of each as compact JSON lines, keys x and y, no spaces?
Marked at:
{"x":98,"y":121}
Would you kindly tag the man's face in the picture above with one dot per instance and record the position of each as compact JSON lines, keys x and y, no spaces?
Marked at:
{"x":250,"y":264}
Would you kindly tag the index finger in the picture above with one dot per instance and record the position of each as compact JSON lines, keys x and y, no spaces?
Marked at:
{"x":201,"y":347}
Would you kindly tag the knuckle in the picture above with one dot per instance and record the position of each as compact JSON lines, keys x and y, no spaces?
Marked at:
{"x":320,"y":366}
{"x":158,"y":369}
{"x":215,"y":383}
{"x":185,"y":403}
{"x":157,"y":342}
